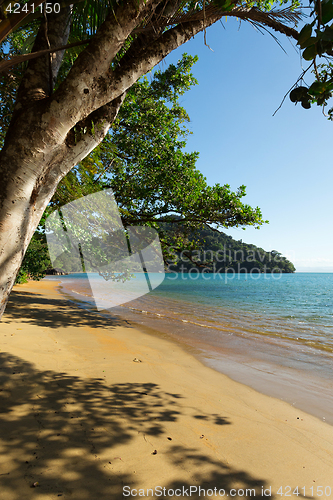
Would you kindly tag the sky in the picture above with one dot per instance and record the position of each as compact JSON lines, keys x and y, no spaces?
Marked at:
{"x":285,"y":161}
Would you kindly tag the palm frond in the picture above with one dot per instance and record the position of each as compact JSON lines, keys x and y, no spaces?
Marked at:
{"x":274,"y":18}
{"x":88,"y":15}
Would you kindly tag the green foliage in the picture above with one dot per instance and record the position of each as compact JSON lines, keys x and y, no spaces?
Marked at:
{"x":22,"y":277}
{"x":265,"y":5}
{"x":217,"y":252}
{"x":35,"y":261}
{"x":88,"y":16}
{"x":316,"y":41}
{"x":10,"y":81}
{"x":143,"y":160}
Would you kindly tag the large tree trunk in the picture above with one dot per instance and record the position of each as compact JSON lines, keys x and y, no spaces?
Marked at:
{"x":42,"y":145}
{"x":30,"y":180}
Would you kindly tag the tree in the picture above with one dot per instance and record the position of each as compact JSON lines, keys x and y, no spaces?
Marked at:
{"x":36,"y":260}
{"x":154,"y":181}
{"x":63,"y":109}
{"x":219,"y":253}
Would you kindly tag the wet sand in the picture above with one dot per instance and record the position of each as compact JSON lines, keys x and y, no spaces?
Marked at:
{"x":274,"y":366}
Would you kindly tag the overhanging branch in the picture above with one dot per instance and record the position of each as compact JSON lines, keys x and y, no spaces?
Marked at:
{"x":15,"y":60}
{"x":138,"y":62}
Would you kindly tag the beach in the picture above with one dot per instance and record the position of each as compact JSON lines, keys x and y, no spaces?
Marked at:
{"x":94,"y":408}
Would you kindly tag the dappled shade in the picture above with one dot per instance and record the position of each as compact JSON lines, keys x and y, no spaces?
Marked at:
{"x":64,"y":432}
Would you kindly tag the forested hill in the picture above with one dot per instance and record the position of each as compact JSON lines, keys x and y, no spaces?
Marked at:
{"x":212,"y":251}
{"x":218,"y":252}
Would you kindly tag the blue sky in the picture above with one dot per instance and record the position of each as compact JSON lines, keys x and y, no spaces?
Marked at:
{"x":285,"y":161}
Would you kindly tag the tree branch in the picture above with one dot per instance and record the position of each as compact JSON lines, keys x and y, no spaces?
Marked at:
{"x":79,"y":143}
{"x":138,"y":61}
{"x":96,"y":59}
{"x":5,"y":64}
{"x":36,"y":84}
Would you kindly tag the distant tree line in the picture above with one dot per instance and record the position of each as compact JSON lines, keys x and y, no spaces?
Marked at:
{"x":213,"y":251}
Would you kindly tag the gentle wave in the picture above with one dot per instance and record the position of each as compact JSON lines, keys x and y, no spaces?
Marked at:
{"x":297,"y":308}
{"x":275,"y":336}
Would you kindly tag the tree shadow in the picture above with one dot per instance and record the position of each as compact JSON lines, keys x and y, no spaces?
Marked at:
{"x":54,"y":313}
{"x":66,"y":433}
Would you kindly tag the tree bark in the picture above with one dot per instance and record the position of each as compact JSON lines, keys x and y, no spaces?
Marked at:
{"x":42,"y":144}
{"x":30,"y":186}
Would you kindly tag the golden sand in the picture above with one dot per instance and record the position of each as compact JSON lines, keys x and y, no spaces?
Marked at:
{"x":92,"y":408}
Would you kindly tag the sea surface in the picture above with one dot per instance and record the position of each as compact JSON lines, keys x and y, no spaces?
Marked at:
{"x":272,"y":332}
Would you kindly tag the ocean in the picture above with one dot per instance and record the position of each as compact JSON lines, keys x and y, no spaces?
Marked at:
{"x":271,"y":332}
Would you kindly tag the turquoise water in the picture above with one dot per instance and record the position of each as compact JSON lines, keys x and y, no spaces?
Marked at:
{"x":273,"y":332}
{"x":297,"y":306}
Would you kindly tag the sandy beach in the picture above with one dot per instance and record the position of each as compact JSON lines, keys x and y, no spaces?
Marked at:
{"x":93,"y":408}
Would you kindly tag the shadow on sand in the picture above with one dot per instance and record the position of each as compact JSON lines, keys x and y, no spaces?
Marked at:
{"x":32,"y":308}
{"x":82,"y":439}
{"x":64,"y":432}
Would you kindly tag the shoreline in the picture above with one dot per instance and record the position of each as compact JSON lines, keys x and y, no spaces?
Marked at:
{"x":82,"y":418}
{"x":267,"y":365}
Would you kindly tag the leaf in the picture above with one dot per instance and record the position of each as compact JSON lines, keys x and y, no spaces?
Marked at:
{"x":318,"y":88}
{"x":327,"y":34}
{"x":305,"y":104}
{"x":304,"y":34}
{"x":308,"y":42}
{"x":326,"y":12}
{"x":293,"y":96}
{"x":298,"y":94}
{"x":310,"y":52}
